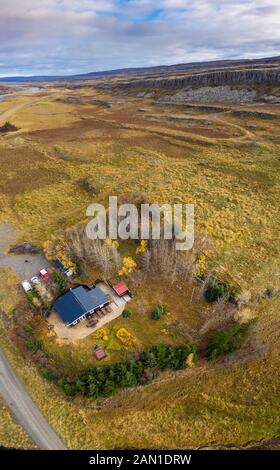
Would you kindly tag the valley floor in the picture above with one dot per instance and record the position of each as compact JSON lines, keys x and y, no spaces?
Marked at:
{"x":225,"y":160}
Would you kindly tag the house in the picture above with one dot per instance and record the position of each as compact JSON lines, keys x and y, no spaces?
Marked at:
{"x":80,"y":303}
{"x":121,"y":289}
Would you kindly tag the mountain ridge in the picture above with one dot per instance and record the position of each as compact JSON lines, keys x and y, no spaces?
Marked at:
{"x":174,"y":68}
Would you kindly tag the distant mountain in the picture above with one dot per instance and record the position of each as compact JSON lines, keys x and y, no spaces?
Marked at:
{"x":157,"y":70}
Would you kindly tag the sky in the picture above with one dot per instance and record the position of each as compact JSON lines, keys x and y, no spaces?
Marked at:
{"x":62,"y":37}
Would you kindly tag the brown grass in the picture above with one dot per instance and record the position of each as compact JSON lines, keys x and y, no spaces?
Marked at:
{"x":234,"y":183}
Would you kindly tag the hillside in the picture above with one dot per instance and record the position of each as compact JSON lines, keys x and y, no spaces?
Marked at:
{"x":188,"y":68}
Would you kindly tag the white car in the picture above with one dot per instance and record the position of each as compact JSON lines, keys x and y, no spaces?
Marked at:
{"x":35,"y":280}
{"x":26,"y":286}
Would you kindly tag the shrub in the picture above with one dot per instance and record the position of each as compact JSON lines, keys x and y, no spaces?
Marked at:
{"x":34,"y":344}
{"x":126,"y":313}
{"x":159,"y":311}
{"x":8,"y":127}
{"x":101,"y":335}
{"x":60,"y":281}
{"x":128,"y":266}
{"x":47,"y":304}
{"x":90,"y":185}
{"x":47,"y":374}
{"x":227,"y":341}
{"x":105,"y":380}
{"x":28,"y":328}
{"x":126,"y":338}
{"x":215,"y":290}
{"x":142,"y":247}
{"x":34,"y":299}
{"x":69,"y":388}
{"x":167,"y":357}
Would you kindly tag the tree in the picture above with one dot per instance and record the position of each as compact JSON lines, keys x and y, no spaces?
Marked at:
{"x":126,"y":313}
{"x":159,"y":311}
{"x":227,"y":341}
{"x":215,"y":290}
{"x":60,"y":281}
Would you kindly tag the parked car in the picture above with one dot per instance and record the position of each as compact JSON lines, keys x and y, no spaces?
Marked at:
{"x":35,"y":280}
{"x":26,"y":286}
{"x":44,"y":274}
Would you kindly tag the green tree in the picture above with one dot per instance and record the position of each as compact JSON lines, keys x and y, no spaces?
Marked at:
{"x":60,"y":281}
{"x":227,"y":341}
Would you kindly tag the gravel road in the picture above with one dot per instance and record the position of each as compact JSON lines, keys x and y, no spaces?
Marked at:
{"x":24,"y":409}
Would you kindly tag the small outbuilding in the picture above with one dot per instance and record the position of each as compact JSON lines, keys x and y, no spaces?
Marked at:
{"x":121,"y":289}
{"x":99,"y":352}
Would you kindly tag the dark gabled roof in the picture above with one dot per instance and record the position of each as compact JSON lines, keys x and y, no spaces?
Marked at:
{"x":68,"y":307}
{"x":79,"y":301}
{"x":90,"y":299}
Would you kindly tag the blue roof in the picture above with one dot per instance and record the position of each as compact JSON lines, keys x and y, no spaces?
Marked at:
{"x":79,"y":301}
{"x":90,"y":299}
{"x":68,"y":307}
{"x":59,"y":265}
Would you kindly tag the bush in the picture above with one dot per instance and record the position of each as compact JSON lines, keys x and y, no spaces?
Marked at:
{"x":126,"y":313}
{"x":28,"y":328}
{"x":167,"y":357}
{"x":69,"y":388}
{"x":227,"y":341}
{"x":126,"y":338}
{"x":47,"y":374}
{"x":34,"y":344}
{"x":158,"y":312}
{"x":101,"y":335}
{"x":105,"y":380}
{"x":60,"y":281}
{"x":215,"y":290}
{"x":8,"y":127}
{"x":47,"y":304}
{"x":91,"y":186}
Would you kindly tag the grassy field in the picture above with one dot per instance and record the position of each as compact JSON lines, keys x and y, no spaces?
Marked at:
{"x":225,"y":163}
{"x":235,"y":403}
{"x":184,"y":316}
{"x":12,"y":436}
{"x":233,"y":181}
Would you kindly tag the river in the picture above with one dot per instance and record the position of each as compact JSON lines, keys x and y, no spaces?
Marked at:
{"x":18,"y":90}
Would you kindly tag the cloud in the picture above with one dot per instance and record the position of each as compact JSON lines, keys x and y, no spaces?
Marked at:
{"x":58,"y":36}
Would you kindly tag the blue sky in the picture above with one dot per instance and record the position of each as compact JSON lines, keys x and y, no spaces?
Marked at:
{"x":78,"y":36}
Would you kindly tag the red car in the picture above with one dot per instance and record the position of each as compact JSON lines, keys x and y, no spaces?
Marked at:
{"x":44,"y":274}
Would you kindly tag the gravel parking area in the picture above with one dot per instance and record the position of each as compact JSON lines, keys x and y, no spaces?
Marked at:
{"x":25,"y":266}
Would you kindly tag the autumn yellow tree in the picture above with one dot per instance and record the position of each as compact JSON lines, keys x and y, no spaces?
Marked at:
{"x":129,"y":264}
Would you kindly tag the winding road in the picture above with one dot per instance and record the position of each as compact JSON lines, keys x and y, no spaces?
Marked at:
{"x":14,"y":394}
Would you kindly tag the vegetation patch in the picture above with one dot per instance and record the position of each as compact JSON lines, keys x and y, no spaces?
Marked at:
{"x":126,"y":338}
{"x":215,"y":290}
{"x":8,"y":127}
{"x":227,"y":341}
{"x":159,"y":311}
{"x":105,"y":380}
